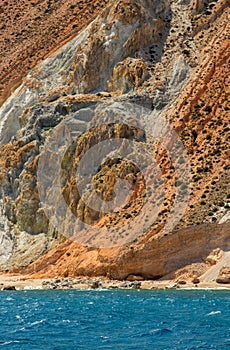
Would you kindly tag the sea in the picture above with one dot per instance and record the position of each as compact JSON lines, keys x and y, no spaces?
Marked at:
{"x":115,"y":319}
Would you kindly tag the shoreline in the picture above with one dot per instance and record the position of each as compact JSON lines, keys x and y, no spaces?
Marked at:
{"x":19,"y":282}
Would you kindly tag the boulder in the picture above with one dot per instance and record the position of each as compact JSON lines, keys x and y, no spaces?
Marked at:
{"x":123,"y":285}
{"x":9,"y":288}
{"x":95,"y":285}
{"x":214,"y":256}
{"x":135,"y":285}
{"x":224,"y":275}
{"x":195,"y":280}
{"x":181,"y":282}
{"x":132,"y":278}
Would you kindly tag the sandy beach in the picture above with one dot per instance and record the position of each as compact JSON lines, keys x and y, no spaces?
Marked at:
{"x":9,"y":282}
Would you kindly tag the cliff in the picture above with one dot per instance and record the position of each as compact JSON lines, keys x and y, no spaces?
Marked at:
{"x":31,"y":30}
{"x":115,"y":148}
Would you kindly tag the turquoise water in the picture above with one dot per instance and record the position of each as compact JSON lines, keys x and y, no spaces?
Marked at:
{"x":114,"y":319}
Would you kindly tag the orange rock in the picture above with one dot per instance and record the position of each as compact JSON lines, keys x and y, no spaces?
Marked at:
{"x":224,"y":275}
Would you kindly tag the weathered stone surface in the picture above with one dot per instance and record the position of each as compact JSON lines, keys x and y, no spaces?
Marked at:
{"x":158,"y":55}
{"x":132,"y":278}
{"x":31,"y":31}
{"x":9,"y":288}
{"x":224,"y":275}
{"x":195,"y":280}
{"x":214,"y":256}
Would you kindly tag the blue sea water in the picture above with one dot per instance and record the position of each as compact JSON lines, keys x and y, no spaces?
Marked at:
{"x":114,"y":319}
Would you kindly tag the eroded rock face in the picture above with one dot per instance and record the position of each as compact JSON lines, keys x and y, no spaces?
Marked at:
{"x":214,"y":256}
{"x":197,"y":5}
{"x":224,"y":275}
{"x":153,"y":259}
{"x":156,"y":55}
{"x":6,"y":238}
{"x":31,"y":30}
{"x":86,"y":63}
{"x":128,"y":75}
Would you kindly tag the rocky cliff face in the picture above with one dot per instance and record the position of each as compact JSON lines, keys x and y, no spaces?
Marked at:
{"x":30,"y":30}
{"x":137,"y":72}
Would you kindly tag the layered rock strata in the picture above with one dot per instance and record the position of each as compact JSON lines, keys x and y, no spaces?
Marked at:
{"x":166,"y":59}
